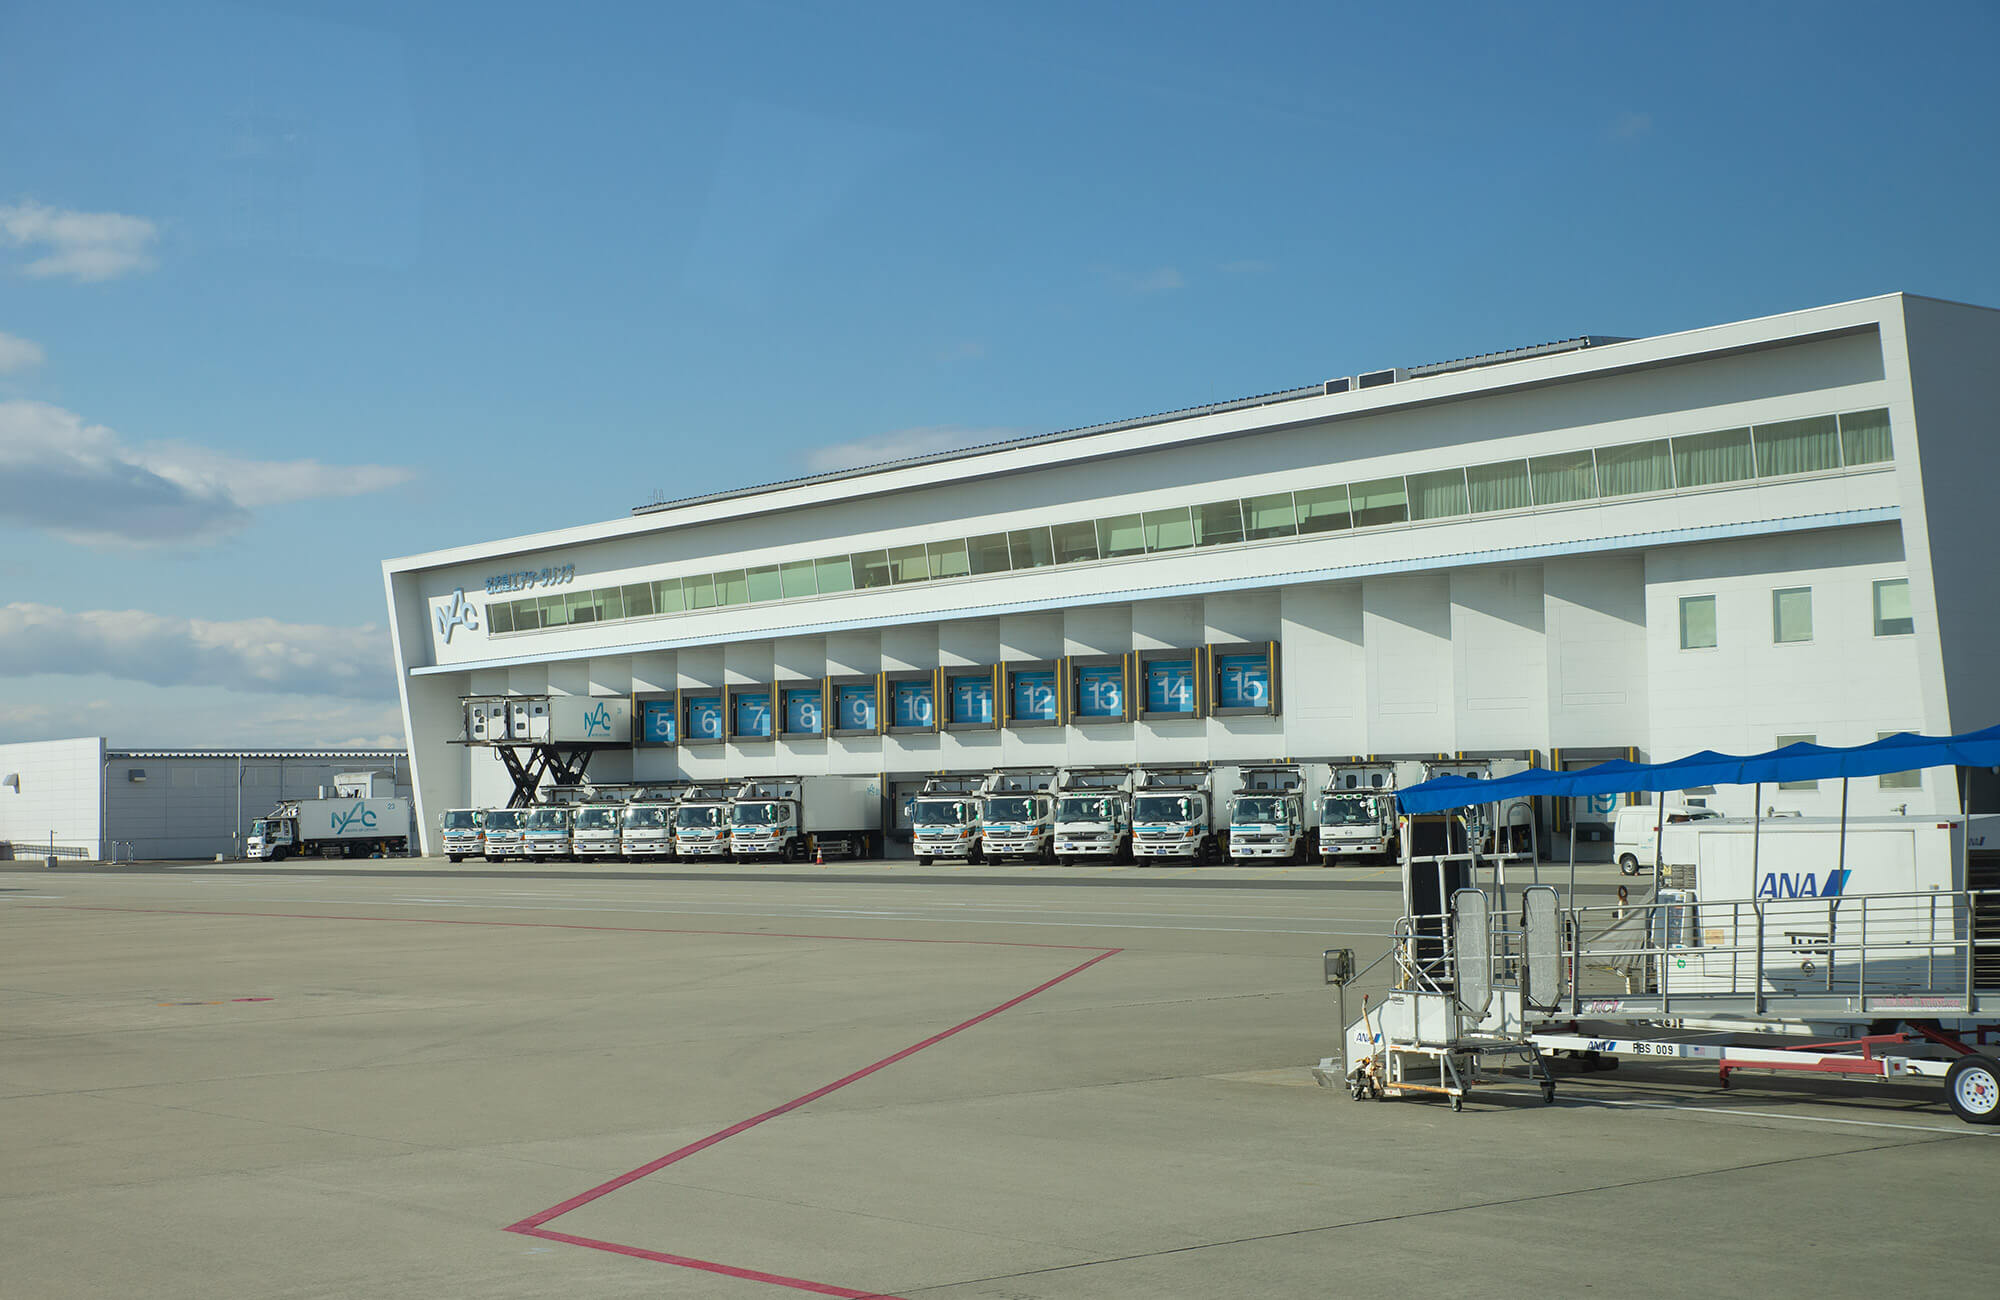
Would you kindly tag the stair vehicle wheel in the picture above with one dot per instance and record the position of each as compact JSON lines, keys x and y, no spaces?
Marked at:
{"x":1972,"y":1089}
{"x":1548,"y":1092}
{"x":1628,"y":865}
{"x":1457,"y":1105}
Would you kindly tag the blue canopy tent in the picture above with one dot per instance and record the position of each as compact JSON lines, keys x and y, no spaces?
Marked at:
{"x":1903,"y":752}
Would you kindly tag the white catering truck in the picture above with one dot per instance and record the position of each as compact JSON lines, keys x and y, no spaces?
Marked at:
{"x":355,"y":823}
{"x":1268,"y":815}
{"x":646,"y":823}
{"x":945,"y":819}
{"x":1173,"y":816}
{"x":701,"y":818}
{"x":1018,"y":811}
{"x":461,"y":829}
{"x":801,"y":818}
{"x":1094,"y":815}
{"x":1357,"y":811}
{"x":594,"y":832}
{"x":548,"y":831}
{"x":506,"y":833}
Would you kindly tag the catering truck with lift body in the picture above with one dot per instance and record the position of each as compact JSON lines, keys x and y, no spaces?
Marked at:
{"x":945,"y":819}
{"x":1094,"y":815}
{"x":596,"y":829}
{"x":357,"y":822}
{"x":1357,"y":811}
{"x":506,"y":832}
{"x":701,"y":818}
{"x":1268,"y":815}
{"x":1507,"y":829}
{"x":461,"y":831}
{"x":1018,"y":810}
{"x":805,"y":818}
{"x":1173,"y":816}
{"x":548,"y":831}
{"x":646,"y":822}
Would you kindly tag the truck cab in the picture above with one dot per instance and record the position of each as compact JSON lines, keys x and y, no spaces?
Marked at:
{"x":462,"y":832}
{"x":1018,"y":814}
{"x":701,"y":823}
{"x":548,"y":832}
{"x":506,"y":832}
{"x":1267,"y":816}
{"x":1357,"y":813}
{"x":1094,"y":817}
{"x":594,"y":833}
{"x":646,"y":828}
{"x":765,"y":824}
{"x":274,"y":838}
{"x":945,"y":820}
{"x":1171,"y":816}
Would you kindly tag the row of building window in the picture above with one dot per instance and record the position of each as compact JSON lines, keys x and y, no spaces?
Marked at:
{"x":1238,"y":679}
{"x":1887,"y":781}
{"x":1826,"y":442}
{"x":1792,"y":615}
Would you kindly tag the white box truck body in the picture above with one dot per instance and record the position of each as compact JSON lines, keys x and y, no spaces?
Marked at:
{"x":945,"y":819}
{"x":462,"y":833}
{"x":1018,"y":812}
{"x":701,"y":823}
{"x":1357,"y":813}
{"x":798,"y":819}
{"x":506,"y":833}
{"x":594,"y":835}
{"x":1093,"y":821}
{"x":548,"y":831}
{"x":1173,"y":816}
{"x":1268,"y":815}
{"x":331,"y":828}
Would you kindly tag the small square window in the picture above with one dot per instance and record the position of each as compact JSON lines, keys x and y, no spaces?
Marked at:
{"x":764,"y":583}
{"x":1168,"y":530}
{"x":700,"y":591}
{"x":1075,"y":542}
{"x":1322,"y":510}
{"x":989,"y":553}
{"x":797,"y":578}
{"x":1270,"y":516}
{"x":948,"y":559}
{"x":909,"y":564}
{"x":638,"y":600}
{"x":1120,"y":535}
{"x":1892,"y":608}
{"x":1797,"y":740}
{"x":1218,"y":522}
{"x":871,"y":569}
{"x":731,"y":588}
{"x":1791,"y":615}
{"x":1913,"y":780}
{"x":1697,"y":622}
{"x":668,"y":598}
{"x":834,"y":574}
{"x":1029,"y":548}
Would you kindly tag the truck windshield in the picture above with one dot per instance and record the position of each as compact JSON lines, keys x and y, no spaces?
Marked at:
{"x":1260,"y":809}
{"x":461,"y":819}
{"x":1097,"y":809}
{"x":1350,"y":810}
{"x":756,"y":814}
{"x":596,"y":819}
{"x":940,"y":812}
{"x":709,"y":816}
{"x":548,"y":819}
{"x":1164,"y":808}
{"x":1014,"y":809}
{"x":643,"y":817}
{"x":262,"y":827}
{"x":505,"y":819}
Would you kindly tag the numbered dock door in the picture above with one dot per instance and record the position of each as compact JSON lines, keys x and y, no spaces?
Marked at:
{"x":1590,"y":818}
{"x":896,"y":817}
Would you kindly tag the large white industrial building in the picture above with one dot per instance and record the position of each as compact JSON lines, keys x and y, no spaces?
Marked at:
{"x":86,"y":799}
{"x":1725,"y":539}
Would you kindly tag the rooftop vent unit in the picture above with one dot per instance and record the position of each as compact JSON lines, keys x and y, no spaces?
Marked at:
{"x":1332,"y":386}
{"x":1376,"y":378}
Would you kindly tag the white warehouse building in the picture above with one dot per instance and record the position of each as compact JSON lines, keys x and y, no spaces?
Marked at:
{"x":1727,"y":538}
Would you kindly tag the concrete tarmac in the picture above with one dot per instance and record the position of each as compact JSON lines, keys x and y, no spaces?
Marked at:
{"x":325,"y":1083}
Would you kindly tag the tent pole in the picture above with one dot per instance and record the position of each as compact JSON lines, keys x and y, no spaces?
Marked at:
{"x":1659,"y":843}
{"x":1572,"y":857}
{"x":1840,"y":863}
{"x":1756,"y":831}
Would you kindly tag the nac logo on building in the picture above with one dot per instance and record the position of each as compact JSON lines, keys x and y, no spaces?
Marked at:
{"x":359,"y":815}
{"x":1802,"y":884}
{"x":456,"y":613}
{"x":598,"y":719}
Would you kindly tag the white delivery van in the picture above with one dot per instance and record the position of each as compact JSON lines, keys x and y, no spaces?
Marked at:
{"x":1635,"y":833}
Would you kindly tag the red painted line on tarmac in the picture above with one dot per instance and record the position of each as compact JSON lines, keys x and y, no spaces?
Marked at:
{"x":706,"y":1266}
{"x":532,"y":1226}
{"x":625,"y":1179}
{"x":560,"y":925}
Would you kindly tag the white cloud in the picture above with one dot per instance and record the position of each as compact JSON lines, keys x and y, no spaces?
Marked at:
{"x":82,"y":483}
{"x":17,"y":353}
{"x":82,"y":245}
{"x":257,"y":655}
{"x":133,"y":714}
{"x":901,"y":445}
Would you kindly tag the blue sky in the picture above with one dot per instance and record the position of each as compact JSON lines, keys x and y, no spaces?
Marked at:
{"x":289,"y":288}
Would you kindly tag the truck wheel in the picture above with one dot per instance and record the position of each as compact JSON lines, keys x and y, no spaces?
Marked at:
{"x":972,"y":855}
{"x":1972,"y":1089}
{"x":454,"y":857}
{"x":923,"y":861}
{"x":1628,"y":865}
{"x":1048,"y":854}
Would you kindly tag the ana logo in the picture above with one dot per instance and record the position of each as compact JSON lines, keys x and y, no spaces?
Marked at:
{"x":460,"y":612}
{"x":598,"y":719}
{"x":359,"y":815}
{"x":1803,"y":884}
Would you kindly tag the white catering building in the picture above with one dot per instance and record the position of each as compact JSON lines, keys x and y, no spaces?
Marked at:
{"x":1727,"y":538}
{"x":91,"y":800}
